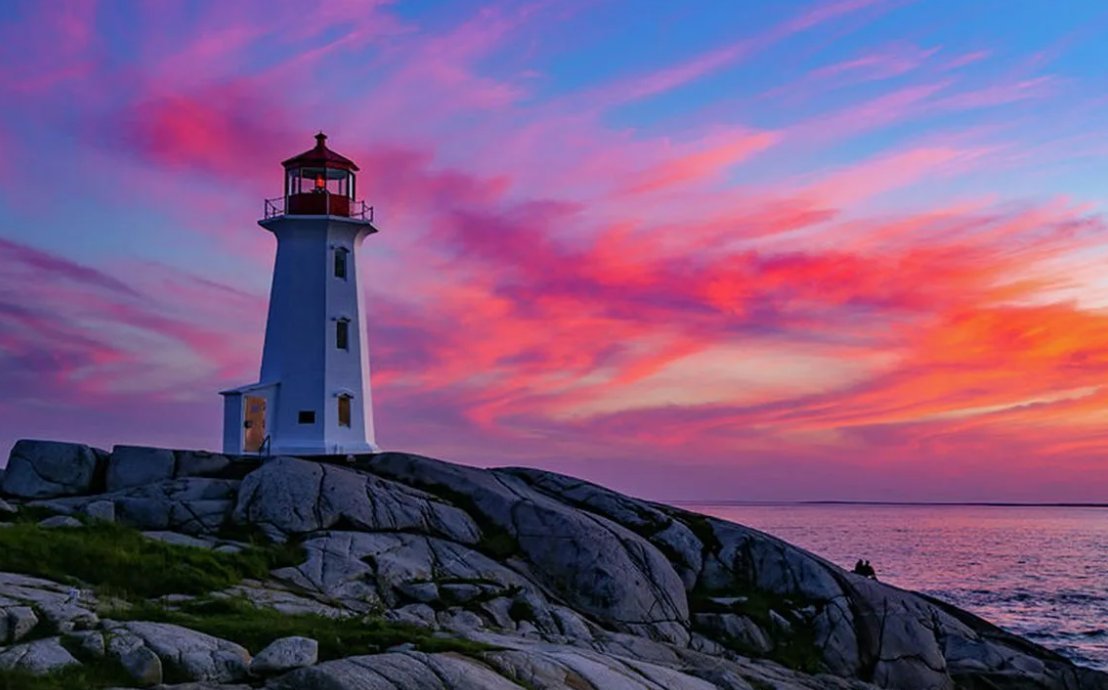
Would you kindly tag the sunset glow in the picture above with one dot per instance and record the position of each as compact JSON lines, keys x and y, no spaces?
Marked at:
{"x":838,"y":250}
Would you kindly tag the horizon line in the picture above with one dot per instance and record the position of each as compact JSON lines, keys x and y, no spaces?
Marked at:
{"x":992,"y":504}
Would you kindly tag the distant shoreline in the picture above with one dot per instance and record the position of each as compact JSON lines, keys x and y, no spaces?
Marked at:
{"x":932,"y":504}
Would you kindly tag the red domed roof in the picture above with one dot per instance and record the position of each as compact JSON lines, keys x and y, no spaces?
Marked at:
{"x":321,"y":157}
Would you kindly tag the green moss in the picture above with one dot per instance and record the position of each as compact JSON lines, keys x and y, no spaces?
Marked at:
{"x":119,"y":561}
{"x":255,"y":627}
{"x":30,"y":514}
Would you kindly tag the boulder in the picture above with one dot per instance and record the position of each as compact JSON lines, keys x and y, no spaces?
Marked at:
{"x":45,"y":469}
{"x":20,"y":621}
{"x":90,"y":642}
{"x":290,"y":496}
{"x":143,"y":665}
{"x":7,"y":508}
{"x":138,"y":465}
{"x":197,"y":656}
{"x":38,"y":657}
{"x":285,"y":654}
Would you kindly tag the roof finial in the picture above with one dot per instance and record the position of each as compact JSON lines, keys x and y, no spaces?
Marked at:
{"x":320,"y":138}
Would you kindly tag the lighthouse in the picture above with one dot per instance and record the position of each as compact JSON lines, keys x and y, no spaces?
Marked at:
{"x":313,"y":395}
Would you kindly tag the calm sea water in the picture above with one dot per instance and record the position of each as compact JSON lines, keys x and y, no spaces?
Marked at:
{"x":1040,"y":572}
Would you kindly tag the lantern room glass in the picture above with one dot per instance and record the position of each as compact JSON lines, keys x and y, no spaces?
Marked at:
{"x":318,"y":181}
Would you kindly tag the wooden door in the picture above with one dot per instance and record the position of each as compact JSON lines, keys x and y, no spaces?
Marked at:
{"x":254,"y":423}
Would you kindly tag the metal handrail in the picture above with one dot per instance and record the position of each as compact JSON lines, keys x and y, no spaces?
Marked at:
{"x":364,"y":211}
{"x":278,"y":206}
{"x":274,"y":207}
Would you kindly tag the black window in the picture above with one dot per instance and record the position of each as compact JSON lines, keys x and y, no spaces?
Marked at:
{"x":306,"y":417}
{"x":342,"y":334}
{"x":340,"y":263}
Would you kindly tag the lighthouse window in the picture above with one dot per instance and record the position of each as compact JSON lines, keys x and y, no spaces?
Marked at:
{"x":306,"y":417}
{"x":340,"y":262}
{"x":342,"y":334}
{"x":344,"y":410}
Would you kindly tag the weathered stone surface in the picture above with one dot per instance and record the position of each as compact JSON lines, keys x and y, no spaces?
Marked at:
{"x":673,"y":537}
{"x":26,"y":600}
{"x":285,"y":654}
{"x":363,"y":570}
{"x":424,"y":592}
{"x":38,"y":657}
{"x":290,"y":496}
{"x":598,"y":566}
{"x":397,"y":670}
{"x":137,"y":466}
{"x":273,"y":595}
{"x":45,"y":469}
{"x":198,"y":656}
{"x":194,"y":505}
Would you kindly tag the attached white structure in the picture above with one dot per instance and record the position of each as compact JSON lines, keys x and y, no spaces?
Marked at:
{"x":313,"y":396}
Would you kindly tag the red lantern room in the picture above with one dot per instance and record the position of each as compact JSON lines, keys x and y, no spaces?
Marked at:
{"x":319,"y":182}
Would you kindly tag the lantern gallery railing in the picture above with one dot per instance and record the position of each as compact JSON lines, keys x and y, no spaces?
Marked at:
{"x":318,"y":204}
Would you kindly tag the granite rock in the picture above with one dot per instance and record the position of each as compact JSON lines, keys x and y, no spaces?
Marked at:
{"x":46,"y":469}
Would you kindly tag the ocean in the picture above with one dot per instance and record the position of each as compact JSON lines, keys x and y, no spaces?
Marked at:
{"x":1037,"y":571}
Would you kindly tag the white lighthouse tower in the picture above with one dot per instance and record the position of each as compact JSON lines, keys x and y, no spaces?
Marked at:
{"x":313,"y":394}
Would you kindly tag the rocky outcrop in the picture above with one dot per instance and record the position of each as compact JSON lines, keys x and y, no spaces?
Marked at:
{"x":559,"y":584}
{"x":288,"y":496}
{"x":39,"y":469}
{"x":285,"y":654}
{"x":193,"y":505}
{"x":136,"y":466}
{"x":38,"y":657}
{"x":597,"y":565}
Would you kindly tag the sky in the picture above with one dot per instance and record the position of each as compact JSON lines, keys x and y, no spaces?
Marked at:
{"x":846,"y":250}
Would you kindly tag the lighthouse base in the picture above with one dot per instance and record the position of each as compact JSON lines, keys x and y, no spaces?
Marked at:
{"x":255,"y":424}
{"x":333,"y":449}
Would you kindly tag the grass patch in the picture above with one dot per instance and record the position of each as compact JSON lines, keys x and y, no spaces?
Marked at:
{"x":95,"y":673}
{"x":254,"y":627}
{"x":119,"y":561}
